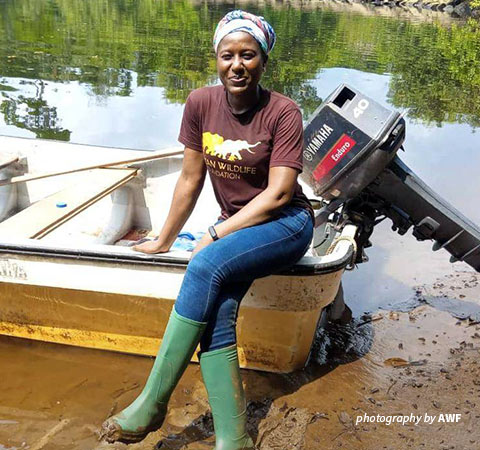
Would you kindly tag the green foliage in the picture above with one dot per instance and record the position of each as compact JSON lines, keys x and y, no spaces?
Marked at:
{"x":113,"y":45}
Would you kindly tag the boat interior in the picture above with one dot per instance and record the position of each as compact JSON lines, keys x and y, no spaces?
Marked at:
{"x":99,"y":213}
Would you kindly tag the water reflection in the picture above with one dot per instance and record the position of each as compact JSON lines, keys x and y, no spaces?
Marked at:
{"x":118,"y":121}
{"x":108,"y":51}
{"x":31,"y":111}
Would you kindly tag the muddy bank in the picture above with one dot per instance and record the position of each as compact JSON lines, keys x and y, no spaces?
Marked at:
{"x":388,"y":366}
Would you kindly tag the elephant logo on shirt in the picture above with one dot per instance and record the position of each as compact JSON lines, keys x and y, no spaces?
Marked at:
{"x":215,"y":145}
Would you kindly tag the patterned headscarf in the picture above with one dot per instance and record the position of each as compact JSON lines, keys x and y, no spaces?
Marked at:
{"x":256,"y":26}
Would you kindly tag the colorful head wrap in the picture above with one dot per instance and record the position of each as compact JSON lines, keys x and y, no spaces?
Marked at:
{"x":256,"y":26}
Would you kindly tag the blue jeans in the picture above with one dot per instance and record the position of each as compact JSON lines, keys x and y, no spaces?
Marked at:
{"x":220,"y":274}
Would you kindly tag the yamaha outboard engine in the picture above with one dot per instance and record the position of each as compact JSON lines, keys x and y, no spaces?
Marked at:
{"x":350,"y":162}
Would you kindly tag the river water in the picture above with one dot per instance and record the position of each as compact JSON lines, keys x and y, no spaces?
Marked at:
{"x":117,"y":73}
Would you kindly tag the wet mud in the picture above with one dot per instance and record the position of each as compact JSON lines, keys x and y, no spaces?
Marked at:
{"x":455,"y":293}
{"x":417,"y":361}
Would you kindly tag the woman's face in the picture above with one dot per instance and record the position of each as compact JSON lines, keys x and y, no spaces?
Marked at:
{"x":240,"y":63}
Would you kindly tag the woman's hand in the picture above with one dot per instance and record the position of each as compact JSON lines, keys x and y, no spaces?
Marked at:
{"x":151,"y":247}
{"x":204,"y":242}
{"x":187,"y":190}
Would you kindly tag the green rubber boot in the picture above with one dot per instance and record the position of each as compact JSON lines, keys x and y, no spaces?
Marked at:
{"x":147,"y":412}
{"x":221,"y":375}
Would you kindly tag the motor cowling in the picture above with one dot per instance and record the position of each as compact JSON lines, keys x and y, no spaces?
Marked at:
{"x":348,"y":141}
{"x":350,"y":146}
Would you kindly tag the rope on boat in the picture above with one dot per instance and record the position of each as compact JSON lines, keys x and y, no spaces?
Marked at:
{"x":352,"y":241}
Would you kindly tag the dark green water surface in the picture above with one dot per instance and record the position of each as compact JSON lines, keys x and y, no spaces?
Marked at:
{"x":117,"y":72}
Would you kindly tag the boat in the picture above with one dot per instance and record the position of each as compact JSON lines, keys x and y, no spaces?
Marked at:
{"x":68,"y":275}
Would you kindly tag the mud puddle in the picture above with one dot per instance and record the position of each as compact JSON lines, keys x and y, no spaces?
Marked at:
{"x":455,"y":293}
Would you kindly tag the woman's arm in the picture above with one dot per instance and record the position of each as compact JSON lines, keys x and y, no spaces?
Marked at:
{"x":285,"y":165}
{"x":266,"y":205}
{"x":185,"y":196}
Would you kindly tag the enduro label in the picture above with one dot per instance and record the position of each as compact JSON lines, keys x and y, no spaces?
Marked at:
{"x":335,"y":154}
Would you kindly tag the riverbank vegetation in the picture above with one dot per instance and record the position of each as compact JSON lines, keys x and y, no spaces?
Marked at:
{"x":110,"y":45}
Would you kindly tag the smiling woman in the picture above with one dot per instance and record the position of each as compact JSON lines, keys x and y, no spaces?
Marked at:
{"x":242,"y":42}
{"x":250,"y":141}
{"x":240,"y":64}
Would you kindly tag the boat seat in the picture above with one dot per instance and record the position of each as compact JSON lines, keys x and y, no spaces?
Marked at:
{"x":44,"y":216}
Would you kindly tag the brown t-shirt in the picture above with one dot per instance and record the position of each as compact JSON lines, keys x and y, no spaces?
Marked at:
{"x":239,"y":149}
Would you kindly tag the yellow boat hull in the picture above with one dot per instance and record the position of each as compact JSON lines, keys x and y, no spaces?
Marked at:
{"x":269,"y":339}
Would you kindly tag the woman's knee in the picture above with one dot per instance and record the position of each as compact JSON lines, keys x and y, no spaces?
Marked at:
{"x":199,"y":289}
{"x":202,"y":267}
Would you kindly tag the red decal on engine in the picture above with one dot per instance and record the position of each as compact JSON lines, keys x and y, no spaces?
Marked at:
{"x":334,"y":155}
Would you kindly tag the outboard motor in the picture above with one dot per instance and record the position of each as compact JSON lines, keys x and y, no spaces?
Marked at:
{"x":350,"y":162}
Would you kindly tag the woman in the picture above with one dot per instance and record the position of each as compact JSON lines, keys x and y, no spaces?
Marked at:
{"x":250,"y":141}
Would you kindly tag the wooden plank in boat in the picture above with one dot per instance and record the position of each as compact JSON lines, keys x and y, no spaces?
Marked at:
{"x":39,"y":176}
{"x":44,"y":216}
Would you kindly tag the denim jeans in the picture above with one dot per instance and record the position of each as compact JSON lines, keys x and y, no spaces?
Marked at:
{"x":220,"y":274}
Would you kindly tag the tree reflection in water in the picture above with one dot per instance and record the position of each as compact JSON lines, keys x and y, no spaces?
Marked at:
{"x":34,"y":114}
{"x":115,"y":46}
